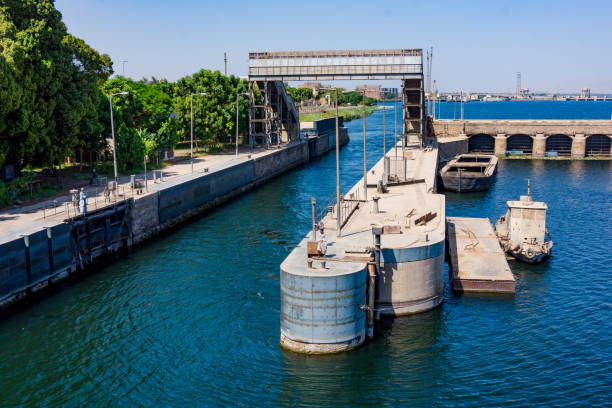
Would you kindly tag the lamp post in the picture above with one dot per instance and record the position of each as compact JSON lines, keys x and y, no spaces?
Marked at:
{"x":395,"y":127}
{"x":110,"y":100}
{"x":191,"y":103}
{"x":338,"y":213}
{"x":365,"y":170}
{"x":384,"y":126}
{"x":237,"y":98}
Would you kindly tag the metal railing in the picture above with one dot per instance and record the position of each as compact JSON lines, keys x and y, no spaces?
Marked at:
{"x":396,"y":168}
{"x":100,"y":198}
{"x":328,"y":206}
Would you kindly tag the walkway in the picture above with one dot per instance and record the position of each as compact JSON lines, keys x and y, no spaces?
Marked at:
{"x":29,"y":219}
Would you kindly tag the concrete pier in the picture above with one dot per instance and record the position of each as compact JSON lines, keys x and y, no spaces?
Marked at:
{"x":410,"y":278}
{"x":477,"y":262}
{"x":539,"y":145}
{"x":500,"y":144}
{"x":578,"y":146}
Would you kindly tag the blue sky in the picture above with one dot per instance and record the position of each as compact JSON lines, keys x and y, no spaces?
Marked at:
{"x":558,"y":46}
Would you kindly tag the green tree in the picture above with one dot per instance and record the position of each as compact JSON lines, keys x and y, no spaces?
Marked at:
{"x":214,"y":114}
{"x":130,"y":148}
{"x":48,"y":84}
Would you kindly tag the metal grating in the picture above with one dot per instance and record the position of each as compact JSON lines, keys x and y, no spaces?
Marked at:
{"x":562,"y":144}
{"x":331,"y":65}
{"x":520,"y":143}
{"x":482,"y":143}
{"x":598,"y":145}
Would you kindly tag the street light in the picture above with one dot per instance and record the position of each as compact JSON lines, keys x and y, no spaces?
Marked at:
{"x":237,"y":97}
{"x":191,"y":103}
{"x":365,"y":170}
{"x":110,"y":99}
{"x":338,"y":214}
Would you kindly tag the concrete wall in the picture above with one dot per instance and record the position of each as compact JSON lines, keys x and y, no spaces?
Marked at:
{"x":325,"y":135}
{"x":411,"y":279}
{"x":272,"y":165}
{"x":144,"y":217}
{"x":450,"y":147}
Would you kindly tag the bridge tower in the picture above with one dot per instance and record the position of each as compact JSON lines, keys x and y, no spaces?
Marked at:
{"x":413,"y":109}
{"x":273,"y":118}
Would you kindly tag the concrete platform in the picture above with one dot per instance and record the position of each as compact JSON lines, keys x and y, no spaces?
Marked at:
{"x":322,"y":306}
{"x":477,"y":262}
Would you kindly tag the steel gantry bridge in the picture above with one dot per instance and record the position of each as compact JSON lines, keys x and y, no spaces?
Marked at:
{"x":273,"y":116}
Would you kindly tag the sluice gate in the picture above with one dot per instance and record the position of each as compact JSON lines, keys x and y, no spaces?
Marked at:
{"x":30,"y":263}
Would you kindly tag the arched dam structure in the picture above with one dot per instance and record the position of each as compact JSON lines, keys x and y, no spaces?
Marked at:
{"x":572,"y":138}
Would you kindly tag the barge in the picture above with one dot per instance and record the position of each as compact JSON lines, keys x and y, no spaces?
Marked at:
{"x":469,"y":173}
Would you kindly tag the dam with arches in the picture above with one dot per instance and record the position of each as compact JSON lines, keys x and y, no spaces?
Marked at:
{"x":539,"y":138}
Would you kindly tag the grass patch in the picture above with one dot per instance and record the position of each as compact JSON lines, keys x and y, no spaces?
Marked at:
{"x":347,"y":114}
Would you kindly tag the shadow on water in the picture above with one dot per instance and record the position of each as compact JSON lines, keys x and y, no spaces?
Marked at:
{"x":403,"y":347}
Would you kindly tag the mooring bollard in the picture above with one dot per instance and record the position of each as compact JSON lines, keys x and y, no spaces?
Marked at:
{"x":375,"y":204}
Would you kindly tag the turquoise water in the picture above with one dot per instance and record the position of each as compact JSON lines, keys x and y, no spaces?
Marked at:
{"x":192,"y":319}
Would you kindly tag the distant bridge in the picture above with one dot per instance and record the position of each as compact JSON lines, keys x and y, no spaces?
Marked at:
{"x":575,"y":138}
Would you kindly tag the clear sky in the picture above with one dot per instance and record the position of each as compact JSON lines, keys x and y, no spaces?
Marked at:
{"x":558,"y":46}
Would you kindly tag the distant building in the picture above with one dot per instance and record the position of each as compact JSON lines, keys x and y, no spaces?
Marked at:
{"x":371,"y":91}
{"x":524,"y":93}
{"x":311,"y":85}
{"x":388,"y":91}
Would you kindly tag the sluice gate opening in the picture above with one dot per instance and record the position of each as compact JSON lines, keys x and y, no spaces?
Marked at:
{"x":598,"y":145}
{"x":481,"y":143}
{"x":520,"y":143}
{"x":561,"y":144}
{"x":273,"y":117}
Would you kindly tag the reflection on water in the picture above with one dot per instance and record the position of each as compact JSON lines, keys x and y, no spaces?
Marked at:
{"x":192,"y":319}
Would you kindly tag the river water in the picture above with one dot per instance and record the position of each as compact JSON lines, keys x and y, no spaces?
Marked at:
{"x":192,"y":319}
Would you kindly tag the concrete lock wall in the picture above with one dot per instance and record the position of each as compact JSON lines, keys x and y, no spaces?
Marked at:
{"x":184,"y":196}
{"x":30,"y":262}
{"x":144,"y":217}
{"x":272,"y":165}
{"x":451,"y":147}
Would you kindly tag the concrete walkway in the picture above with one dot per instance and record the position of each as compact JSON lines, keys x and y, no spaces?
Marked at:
{"x":29,"y":219}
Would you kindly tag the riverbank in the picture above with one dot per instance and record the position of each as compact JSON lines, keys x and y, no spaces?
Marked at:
{"x":347,"y":114}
